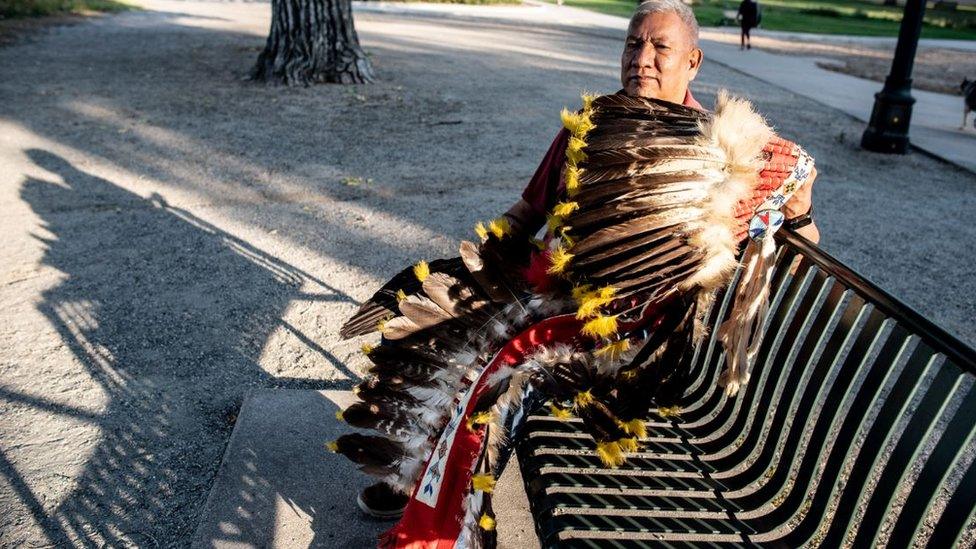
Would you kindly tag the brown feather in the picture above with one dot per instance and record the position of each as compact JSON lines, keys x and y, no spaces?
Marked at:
{"x":399,"y":328}
{"x":623,"y":248}
{"x":455,"y":298}
{"x":627,"y":140}
{"x":612,"y":214}
{"x":644,"y":260}
{"x":629,"y":229}
{"x":383,"y":303}
{"x":402,"y":351}
{"x":593,"y":175}
{"x":423,"y":312}
{"x":654,"y":279}
{"x":476,"y":266}
{"x":374,"y":451}
{"x":620,"y":190}
{"x":652,"y":154}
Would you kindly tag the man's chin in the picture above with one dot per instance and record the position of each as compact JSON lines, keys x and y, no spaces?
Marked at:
{"x":647,"y":92}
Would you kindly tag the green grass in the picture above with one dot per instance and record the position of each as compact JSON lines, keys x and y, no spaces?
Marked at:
{"x":13,"y":9}
{"x":860,"y":18}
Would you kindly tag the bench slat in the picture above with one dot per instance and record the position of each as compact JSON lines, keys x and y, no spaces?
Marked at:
{"x":858,"y":425}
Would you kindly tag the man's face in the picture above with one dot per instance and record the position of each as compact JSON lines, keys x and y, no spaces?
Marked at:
{"x":659,"y":59}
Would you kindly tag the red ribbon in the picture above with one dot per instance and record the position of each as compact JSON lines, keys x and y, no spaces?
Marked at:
{"x":424,"y":527}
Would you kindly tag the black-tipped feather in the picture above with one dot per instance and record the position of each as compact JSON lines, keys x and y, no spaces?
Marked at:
{"x":609,"y":236}
{"x":383,"y":304}
{"x":482,"y":273}
{"x":373,"y":451}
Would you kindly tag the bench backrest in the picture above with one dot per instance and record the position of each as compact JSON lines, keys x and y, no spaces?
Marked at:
{"x":857,"y":426}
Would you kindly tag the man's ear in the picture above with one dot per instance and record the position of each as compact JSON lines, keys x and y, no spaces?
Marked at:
{"x":694,"y":62}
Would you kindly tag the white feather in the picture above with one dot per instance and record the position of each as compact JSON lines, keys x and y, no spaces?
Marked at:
{"x":739,"y":133}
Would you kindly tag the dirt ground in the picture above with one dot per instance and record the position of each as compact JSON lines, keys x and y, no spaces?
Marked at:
{"x":176,"y":235}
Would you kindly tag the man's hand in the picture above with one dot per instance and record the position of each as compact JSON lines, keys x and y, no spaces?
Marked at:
{"x":802,"y":199}
{"x":799,"y":204}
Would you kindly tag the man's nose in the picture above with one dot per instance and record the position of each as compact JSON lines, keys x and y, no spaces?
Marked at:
{"x":644,"y":56}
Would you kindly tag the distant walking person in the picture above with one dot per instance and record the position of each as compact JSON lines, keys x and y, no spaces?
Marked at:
{"x":749,"y":18}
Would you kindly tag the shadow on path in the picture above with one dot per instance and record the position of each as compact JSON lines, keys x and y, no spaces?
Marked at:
{"x":168,"y":315}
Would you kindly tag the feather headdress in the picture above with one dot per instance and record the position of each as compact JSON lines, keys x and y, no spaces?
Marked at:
{"x":648,"y":231}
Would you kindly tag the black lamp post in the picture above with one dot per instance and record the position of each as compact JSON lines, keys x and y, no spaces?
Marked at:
{"x":888,"y":129}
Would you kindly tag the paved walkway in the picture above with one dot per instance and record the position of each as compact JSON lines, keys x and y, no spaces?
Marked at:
{"x":936,"y":117}
{"x":888,"y":41}
{"x":177,"y":237}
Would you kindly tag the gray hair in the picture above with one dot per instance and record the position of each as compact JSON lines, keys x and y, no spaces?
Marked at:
{"x":677,"y":7}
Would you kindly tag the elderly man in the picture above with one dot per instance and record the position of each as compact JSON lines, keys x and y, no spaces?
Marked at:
{"x":660,"y":58}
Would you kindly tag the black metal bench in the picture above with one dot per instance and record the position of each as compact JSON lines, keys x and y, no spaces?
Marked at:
{"x":857,"y":428}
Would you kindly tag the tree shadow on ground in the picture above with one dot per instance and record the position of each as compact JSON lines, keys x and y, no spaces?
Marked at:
{"x":168,"y":315}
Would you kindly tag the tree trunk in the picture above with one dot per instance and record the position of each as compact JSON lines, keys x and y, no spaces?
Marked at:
{"x":312,"y":41}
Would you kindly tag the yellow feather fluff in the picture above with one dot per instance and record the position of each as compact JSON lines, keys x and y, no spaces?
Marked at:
{"x":581,"y":291}
{"x":629,"y":374}
{"x":486,"y":523}
{"x":553,"y":222}
{"x":635,"y":427}
{"x":570,"y":120}
{"x":480,"y":418}
{"x":612,"y":351}
{"x":559,"y":413}
{"x":601,"y":326}
{"x":610,"y":454}
{"x":590,"y":303}
{"x":567,"y":240}
{"x":578,"y":124}
{"x":483,"y":483}
{"x":481,"y":231}
{"x":575,"y":144}
{"x":563,"y":209}
{"x":587,"y":100}
{"x":666,"y":412}
{"x":628,"y":444}
{"x":500,"y":227}
{"x":583,"y":398}
{"x":332,"y":446}
{"x":559,"y":259}
{"x":421,"y":270}
{"x":575,"y":156}
{"x":572,"y":180}
{"x":401,"y":295}
{"x":367,"y":348}
{"x":381,"y":325}
{"x":338,"y":415}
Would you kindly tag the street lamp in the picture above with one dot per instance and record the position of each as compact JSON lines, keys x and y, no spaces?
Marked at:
{"x":888,"y":129}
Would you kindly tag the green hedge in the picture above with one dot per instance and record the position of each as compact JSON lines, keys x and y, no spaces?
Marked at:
{"x":10,"y":9}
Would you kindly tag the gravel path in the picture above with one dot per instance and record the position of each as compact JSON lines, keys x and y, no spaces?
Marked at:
{"x":176,"y":235}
